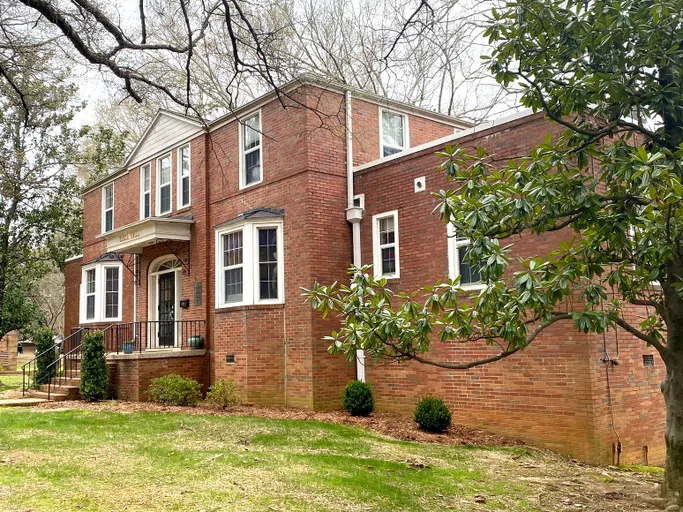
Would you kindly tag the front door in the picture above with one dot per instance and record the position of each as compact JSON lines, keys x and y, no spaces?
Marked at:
{"x":167,"y":309}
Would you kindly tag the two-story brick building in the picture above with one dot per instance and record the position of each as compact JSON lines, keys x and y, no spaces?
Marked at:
{"x":195,"y":252}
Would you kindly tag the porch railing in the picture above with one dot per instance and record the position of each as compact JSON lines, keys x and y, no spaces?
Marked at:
{"x":149,"y":335}
{"x":67,"y":345}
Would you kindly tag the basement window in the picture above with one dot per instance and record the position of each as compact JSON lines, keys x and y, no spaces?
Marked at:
{"x":648,"y":360}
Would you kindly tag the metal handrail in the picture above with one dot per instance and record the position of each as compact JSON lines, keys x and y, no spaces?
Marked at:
{"x":33,"y":362}
{"x":155,"y":334}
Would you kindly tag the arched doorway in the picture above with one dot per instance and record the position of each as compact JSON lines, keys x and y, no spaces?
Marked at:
{"x":163,"y":298}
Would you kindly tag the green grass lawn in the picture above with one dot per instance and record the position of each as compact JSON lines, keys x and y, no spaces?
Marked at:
{"x":93,"y":460}
{"x":10,"y":382}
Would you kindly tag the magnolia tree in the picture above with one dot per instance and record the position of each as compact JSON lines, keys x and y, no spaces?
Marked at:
{"x":611,"y":72}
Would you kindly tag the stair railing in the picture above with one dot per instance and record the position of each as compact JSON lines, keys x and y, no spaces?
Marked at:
{"x":28,"y":370}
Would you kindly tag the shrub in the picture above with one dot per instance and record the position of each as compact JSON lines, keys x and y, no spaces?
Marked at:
{"x":94,"y":376}
{"x":45,"y":341}
{"x":223,"y":393}
{"x":358,"y":399}
{"x":175,"y":390}
{"x":432,"y":415}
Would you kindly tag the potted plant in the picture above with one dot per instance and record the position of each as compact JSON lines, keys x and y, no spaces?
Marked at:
{"x":195,"y":342}
{"x":128,"y":346}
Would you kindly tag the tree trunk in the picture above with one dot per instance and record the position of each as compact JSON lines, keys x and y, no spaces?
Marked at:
{"x":672,"y":388}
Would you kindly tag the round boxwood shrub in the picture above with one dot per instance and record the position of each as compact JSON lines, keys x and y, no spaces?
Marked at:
{"x":358,"y":399}
{"x":94,"y":376}
{"x":224,"y":393}
{"x":175,"y":390}
{"x":432,"y":414}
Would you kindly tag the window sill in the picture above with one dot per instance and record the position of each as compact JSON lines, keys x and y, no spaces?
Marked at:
{"x":244,"y":307}
{"x":184,"y":209}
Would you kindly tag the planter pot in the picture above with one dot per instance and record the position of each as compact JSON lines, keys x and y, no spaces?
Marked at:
{"x":195,"y":342}
{"x":128,"y":348}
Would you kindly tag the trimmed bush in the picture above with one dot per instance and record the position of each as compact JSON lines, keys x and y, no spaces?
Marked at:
{"x":175,"y":390}
{"x":358,"y":399}
{"x":45,"y":340}
{"x":223,"y":393}
{"x":94,"y":376}
{"x":432,"y":414}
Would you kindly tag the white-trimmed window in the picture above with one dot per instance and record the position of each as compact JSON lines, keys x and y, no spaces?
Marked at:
{"x":470,"y":279}
{"x":145,"y":191}
{"x":101,"y":292}
{"x":393,"y":132}
{"x":90,"y":280}
{"x":250,"y":264}
{"x":184,"y":176}
{"x":386,"y":261}
{"x":107,"y":208}
{"x":163,"y":199}
{"x":251,"y":151}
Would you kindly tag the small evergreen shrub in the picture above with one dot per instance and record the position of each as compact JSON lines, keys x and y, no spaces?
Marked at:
{"x":223,"y":393}
{"x":432,"y":414}
{"x":174,"y":390}
{"x":94,"y":376}
{"x":45,"y":340}
{"x":358,"y":399}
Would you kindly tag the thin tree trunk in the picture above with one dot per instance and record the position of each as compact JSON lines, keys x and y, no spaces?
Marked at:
{"x":672,"y":388}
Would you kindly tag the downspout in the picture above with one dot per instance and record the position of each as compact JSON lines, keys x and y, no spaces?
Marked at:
{"x":354,"y":215}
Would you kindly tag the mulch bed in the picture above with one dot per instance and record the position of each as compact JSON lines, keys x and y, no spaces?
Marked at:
{"x":392,"y":425}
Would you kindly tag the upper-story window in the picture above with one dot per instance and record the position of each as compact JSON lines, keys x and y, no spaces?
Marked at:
{"x":249,"y":264}
{"x":393,"y":132}
{"x":184,"y":176}
{"x":164,"y":185}
{"x":251,"y":151}
{"x":146,"y":191}
{"x":101,"y":292}
{"x":470,"y":277}
{"x":385,"y":245}
{"x":107,"y":208}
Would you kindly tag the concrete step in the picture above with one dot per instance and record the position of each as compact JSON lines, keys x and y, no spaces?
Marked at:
{"x":21,"y":402}
{"x":70,"y":388}
{"x":55,"y":396}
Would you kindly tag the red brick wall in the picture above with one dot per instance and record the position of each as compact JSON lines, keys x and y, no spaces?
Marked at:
{"x":553,"y":394}
{"x":72,"y":290}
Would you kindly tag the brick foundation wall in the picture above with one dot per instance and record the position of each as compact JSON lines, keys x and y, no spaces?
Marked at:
{"x":554,"y":394}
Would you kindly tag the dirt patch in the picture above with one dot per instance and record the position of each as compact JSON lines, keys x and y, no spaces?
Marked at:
{"x":392,"y":425}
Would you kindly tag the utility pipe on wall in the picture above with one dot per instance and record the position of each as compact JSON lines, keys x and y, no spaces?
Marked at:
{"x":354,"y":214}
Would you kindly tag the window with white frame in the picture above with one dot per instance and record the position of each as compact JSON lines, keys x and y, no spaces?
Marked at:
{"x":101,"y":292}
{"x":90,"y":294}
{"x":393,"y":129}
{"x":164,"y":185}
{"x":184,"y":176}
{"x":251,"y":154}
{"x":145,"y":191}
{"x":250,"y":264}
{"x":386,"y":261}
{"x":107,"y":208}
{"x":458,"y":265}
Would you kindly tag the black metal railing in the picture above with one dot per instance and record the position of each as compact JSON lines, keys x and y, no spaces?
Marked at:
{"x":154,"y":334}
{"x":68,"y":365}
{"x":28,"y":370}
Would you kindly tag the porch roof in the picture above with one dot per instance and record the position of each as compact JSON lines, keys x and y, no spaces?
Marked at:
{"x":133,"y":237}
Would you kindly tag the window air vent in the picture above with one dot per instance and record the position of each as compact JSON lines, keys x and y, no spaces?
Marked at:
{"x":648,"y":360}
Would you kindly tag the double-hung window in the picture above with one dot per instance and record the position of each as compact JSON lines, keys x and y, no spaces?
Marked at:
{"x":145,"y":191}
{"x":107,"y":208}
{"x":164,"y":185}
{"x":393,"y":130}
{"x":184,"y":176}
{"x":458,"y":265}
{"x":90,"y":281}
{"x":250,"y":265}
{"x":101,"y":294}
{"x":111,"y":293}
{"x":251,"y":151}
{"x":386,"y":261}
